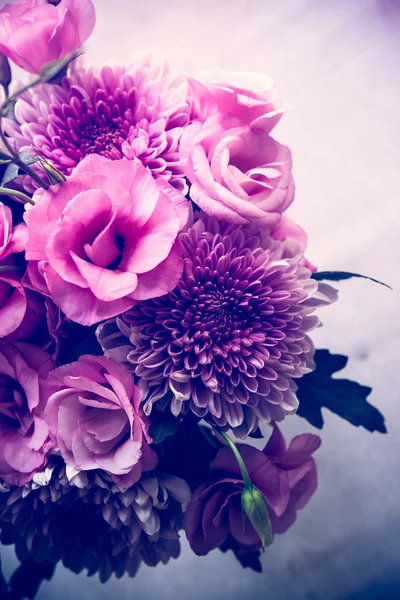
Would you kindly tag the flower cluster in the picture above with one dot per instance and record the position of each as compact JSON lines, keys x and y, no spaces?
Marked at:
{"x":151,"y":285}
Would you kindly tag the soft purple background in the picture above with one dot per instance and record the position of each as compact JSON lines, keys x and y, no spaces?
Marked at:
{"x":337,"y":62}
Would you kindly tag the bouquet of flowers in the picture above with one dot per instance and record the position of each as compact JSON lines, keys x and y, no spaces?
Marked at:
{"x":155,"y":307}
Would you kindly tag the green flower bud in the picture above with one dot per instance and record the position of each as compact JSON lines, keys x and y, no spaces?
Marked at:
{"x":255,"y":507}
{"x":54,"y":175}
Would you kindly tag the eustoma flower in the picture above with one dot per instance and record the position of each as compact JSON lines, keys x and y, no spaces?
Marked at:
{"x":35,"y":32}
{"x":286,"y":477}
{"x":94,"y":418}
{"x":237,"y":170}
{"x":24,"y":439}
{"x":105,"y":239}
{"x":20,"y":310}
{"x":136,"y":112}
{"x":229,"y":340}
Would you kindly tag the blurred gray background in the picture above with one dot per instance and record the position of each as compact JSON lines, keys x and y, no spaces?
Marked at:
{"x":337,"y":63}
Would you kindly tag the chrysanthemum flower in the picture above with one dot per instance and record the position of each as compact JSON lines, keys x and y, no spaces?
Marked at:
{"x":229,"y":340}
{"x":136,"y":112}
{"x":83,"y":519}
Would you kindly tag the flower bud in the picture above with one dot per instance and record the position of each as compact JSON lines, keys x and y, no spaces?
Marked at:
{"x":255,"y":507}
{"x":5,"y":71}
{"x":54,"y":175}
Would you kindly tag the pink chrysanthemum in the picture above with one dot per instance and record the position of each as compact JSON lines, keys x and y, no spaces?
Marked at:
{"x":135,"y":112}
{"x":229,"y":340}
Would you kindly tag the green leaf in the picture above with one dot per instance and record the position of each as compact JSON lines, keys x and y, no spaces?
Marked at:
{"x":159,"y":431}
{"x":10,"y":174}
{"x":28,"y":158}
{"x":342,"y":275}
{"x":343,"y":397}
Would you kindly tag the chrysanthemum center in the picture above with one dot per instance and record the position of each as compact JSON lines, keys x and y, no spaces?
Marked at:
{"x":105,"y":140}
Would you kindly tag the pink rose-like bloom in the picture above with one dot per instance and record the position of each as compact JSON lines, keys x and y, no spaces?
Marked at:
{"x":24,"y":439}
{"x":21,"y":310}
{"x":286,"y":477}
{"x":105,"y":239}
{"x":288,"y":230}
{"x":33,"y":32}
{"x":245,"y":95}
{"x":238,"y":172}
{"x":94,"y":418}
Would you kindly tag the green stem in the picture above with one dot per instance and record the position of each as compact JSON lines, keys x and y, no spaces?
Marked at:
{"x":9,"y":192}
{"x":10,"y":268}
{"x":239,"y":459}
{"x":14,"y":155}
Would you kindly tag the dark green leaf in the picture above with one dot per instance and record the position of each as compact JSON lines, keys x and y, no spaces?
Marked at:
{"x":28,"y":158}
{"x":26,"y":580}
{"x":345,"y":398}
{"x":257,"y":434}
{"x":4,"y":592}
{"x":159,"y":431}
{"x":342,"y":275}
{"x":10,"y":174}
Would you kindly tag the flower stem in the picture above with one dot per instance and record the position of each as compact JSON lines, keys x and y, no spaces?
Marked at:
{"x":239,"y":459}
{"x":9,"y":192}
{"x":14,"y":155}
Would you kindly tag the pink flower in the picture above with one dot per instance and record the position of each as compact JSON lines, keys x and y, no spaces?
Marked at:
{"x":94,"y":418}
{"x":288,"y":230}
{"x":286,"y":477}
{"x":238,"y":172}
{"x":247,"y":96}
{"x":34,"y":32}
{"x":104,"y":239}
{"x":21,"y":311}
{"x":24,"y":440}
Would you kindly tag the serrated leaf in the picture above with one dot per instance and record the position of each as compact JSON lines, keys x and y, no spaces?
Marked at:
{"x":26,"y":580}
{"x":10,"y":174}
{"x":347,"y":399}
{"x":28,"y":158}
{"x":159,"y":431}
{"x":342,"y":275}
{"x":257,"y":434}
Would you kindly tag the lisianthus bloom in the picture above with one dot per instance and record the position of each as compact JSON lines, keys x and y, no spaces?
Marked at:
{"x":245,"y":95}
{"x":135,"y":112}
{"x":105,"y":239}
{"x":238,"y":171}
{"x":83,"y":519}
{"x":94,"y":419}
{"x":21,"y":310}
{"x":286,"y":477}
{"x":24,"y":439}
{"x":229,"y":340}
{"x":35,"y":32}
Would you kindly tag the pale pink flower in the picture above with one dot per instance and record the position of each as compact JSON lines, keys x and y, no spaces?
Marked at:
{"x":34,"y":32}
{"x":94,"y":419}
{"x":238,"y":171}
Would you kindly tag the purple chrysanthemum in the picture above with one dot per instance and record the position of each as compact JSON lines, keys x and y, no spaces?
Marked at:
{"x":136,"y":112}
{"x":227,"y":343}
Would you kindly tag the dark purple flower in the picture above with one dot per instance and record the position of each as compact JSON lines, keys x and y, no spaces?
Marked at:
{"x":286,"y":477}
{"x":83,"y":519}
{"x":137,"y":113}
{"x":229,"y":340}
